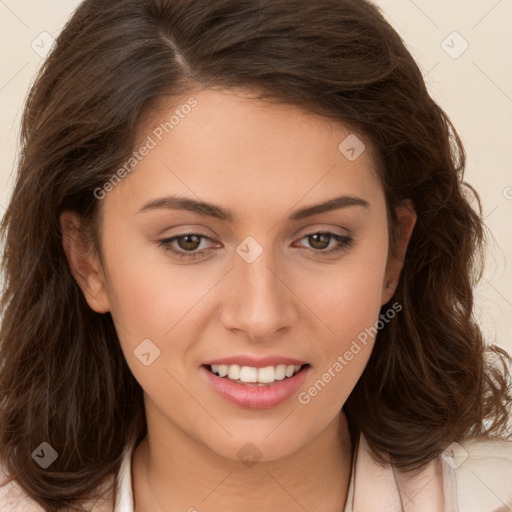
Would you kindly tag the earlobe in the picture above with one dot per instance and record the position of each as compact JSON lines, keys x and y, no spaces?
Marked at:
{"x":406,"y":218}
{"x":83,"y":263}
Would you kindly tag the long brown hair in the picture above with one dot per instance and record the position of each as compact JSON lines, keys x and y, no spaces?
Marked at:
{"x":63,"y":377}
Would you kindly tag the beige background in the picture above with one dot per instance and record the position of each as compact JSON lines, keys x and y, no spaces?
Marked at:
{"x":474,"y":87}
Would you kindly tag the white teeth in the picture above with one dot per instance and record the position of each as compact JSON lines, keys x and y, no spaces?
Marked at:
{"x":267,"y":374}
{"x":234,"y":371}
{"x":280,"y":372}
{"x":250,"y":374}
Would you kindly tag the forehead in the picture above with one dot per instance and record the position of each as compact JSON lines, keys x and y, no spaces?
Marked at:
{"x":238,"y":114}
{"x":231,"y":147}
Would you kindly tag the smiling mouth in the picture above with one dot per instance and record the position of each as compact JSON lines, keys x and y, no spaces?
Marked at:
{"x":255,"y":376}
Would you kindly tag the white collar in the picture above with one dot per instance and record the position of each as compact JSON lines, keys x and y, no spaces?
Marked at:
{"x":442,"y":486}
{"x":124,"y":498}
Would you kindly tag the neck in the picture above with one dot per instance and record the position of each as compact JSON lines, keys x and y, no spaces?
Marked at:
{"x":175,"y":473}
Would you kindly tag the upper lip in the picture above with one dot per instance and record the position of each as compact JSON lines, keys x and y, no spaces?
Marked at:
{"x":256,"y":362}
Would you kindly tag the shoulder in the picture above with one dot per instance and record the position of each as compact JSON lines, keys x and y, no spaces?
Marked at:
{"x":482,"y":474}
{"x":469,"y":476}
{"x":14,"y":499}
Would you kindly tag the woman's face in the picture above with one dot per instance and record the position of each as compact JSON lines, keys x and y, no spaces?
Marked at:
{"x":262,"y":283}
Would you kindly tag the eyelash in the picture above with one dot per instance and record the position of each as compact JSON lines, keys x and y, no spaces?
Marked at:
{"x":344,"y":243}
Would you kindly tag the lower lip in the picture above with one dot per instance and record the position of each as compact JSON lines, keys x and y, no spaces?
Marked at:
{"x":253,"y":396}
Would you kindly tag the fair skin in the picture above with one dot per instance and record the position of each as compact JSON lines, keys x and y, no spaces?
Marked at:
{"x":263,"y":162}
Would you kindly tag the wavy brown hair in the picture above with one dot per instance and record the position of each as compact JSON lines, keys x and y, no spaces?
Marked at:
{"x":63,"y":377}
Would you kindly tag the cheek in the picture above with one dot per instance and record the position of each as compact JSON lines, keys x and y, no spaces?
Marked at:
{"x":348,"y":296}
{"x":149,"y":293}
{"x":348,"y":302}
{"x":158,"y":314}
{"x":350,"y":308}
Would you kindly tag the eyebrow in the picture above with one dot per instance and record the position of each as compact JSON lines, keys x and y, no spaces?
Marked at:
{"x":218,"y":212}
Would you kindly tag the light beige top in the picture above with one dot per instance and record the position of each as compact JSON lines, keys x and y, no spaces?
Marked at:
{"x":473,"y":476}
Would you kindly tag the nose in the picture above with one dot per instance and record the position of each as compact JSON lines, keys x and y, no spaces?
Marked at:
{"x":259,"y":301}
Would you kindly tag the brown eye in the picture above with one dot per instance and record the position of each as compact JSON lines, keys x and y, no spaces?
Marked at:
{"x":319,"y":242}
{"x":191,"y":243}
{"x":185,"y":246}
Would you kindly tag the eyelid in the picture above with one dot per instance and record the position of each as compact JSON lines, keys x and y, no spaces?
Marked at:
{"x":185,"y":229}
{"x":324,"y":228}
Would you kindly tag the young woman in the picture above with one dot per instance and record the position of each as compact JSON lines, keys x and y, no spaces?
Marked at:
{"x":239,"y":260}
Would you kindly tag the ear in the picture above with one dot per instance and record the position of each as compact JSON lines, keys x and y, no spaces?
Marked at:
{"x":406,"y":217}
{"x":84,"y":263}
